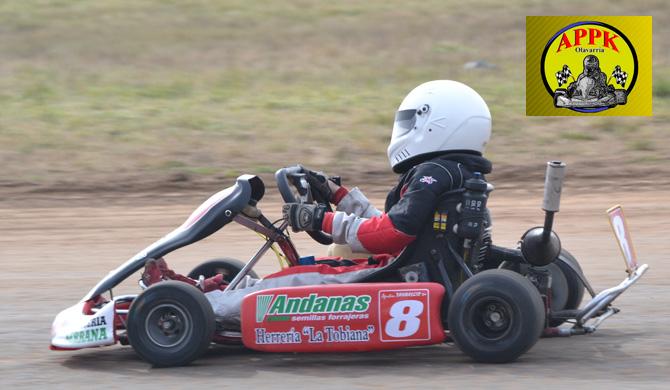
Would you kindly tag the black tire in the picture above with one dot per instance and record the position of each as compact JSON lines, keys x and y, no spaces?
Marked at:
{"x":575,"y":287}
{"x":190,"y":320}
{"x":496,"y":316}
{"x":226,"y":266}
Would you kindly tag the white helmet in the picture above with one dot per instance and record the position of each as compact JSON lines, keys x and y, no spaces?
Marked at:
{"x":439,"y":116}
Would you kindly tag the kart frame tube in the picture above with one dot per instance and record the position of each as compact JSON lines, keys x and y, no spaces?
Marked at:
{"x":272,"y":237}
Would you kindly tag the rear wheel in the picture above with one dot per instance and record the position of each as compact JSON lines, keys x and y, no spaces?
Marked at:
{"x":574,"y":287}
{"x":228,"y":267}
{"x":496,"y":316}
{"x":560,"y":290}
{"x":170,"y":324}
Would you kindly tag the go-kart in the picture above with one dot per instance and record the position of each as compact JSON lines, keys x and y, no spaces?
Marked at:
{"x":437,"y":289}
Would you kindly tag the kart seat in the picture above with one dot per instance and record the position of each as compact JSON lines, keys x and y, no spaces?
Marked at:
{"x":430,"y":248}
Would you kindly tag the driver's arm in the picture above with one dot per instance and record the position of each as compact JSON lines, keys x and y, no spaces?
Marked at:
{"x":350,"y":202}
{"x":365,"y":235}
{"x":390,"y":232}
{"x":354,"y":202}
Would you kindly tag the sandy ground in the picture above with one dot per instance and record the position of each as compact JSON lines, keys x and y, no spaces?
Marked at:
{"x":52,"y":252}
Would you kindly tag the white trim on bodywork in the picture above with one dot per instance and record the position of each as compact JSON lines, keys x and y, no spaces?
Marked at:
{"x":74,"y":329}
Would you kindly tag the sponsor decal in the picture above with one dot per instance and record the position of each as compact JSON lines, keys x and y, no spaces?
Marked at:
{"x":440,"y":219}
{"x":580,"y":65}
{"x":262,"y":306}
{"x":404,"y":294}
{"x":428,"y":180}
{"x":404,"y":315}
{"x":344,"y":334}
{"x":354,"y":317}
{"x":281,"y":307}
{"x":288,"y":337}
{"x":95,"y":330}
{"x":327,"y":334}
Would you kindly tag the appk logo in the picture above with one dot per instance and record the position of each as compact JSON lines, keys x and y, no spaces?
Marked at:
{"x":588,"y":65}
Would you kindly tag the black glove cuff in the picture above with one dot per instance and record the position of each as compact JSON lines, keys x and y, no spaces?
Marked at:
{"x":317,"y":219}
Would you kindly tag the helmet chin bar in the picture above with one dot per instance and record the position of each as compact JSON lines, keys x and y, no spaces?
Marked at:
{"x":401,"y":156}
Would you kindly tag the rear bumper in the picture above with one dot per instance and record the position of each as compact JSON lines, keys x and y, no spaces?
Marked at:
{"x":599,"y":308}
{"x":605,"y":297}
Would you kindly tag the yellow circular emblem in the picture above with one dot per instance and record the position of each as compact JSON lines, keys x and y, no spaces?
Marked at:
{"x":589,"y":67}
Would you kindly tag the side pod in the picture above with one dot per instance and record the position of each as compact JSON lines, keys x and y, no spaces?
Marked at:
{"x":343,"y":317}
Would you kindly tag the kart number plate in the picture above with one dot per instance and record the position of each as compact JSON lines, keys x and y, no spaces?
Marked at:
{"x":404,"y":315}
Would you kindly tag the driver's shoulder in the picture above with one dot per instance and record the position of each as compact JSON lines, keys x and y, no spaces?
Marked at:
{"x":439,"y":173}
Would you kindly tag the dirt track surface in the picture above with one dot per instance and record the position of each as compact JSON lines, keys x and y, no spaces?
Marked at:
{"x":52,"y":253}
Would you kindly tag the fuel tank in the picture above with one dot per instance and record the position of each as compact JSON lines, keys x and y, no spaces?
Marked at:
{"x":343,"y":317}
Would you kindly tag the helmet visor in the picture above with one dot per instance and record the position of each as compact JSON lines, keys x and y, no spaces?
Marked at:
{"x":404,"y":122}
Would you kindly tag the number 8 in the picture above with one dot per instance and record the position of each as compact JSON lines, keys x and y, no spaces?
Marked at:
{"x":404,"y":324}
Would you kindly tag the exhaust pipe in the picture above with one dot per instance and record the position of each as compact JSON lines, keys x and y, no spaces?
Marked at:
{"x":553,"y":186}
{"x":540,"y":245}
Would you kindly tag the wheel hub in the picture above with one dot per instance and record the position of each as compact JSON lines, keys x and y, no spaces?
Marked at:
{"x":495,"y":317}
{"x":167,"y":325}
{"x":491,"y":317}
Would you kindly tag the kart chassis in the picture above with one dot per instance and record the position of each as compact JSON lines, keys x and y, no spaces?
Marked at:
{"x":585,"y":320}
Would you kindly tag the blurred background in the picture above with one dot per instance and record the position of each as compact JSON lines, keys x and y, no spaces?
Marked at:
{"x":146,"y":95}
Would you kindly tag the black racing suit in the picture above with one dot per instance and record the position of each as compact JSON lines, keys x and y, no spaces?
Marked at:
{"x":408,"y":205}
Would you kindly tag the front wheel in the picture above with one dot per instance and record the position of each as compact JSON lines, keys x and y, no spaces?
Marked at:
{"x":496,"y":316}
{"x":170,"y":324}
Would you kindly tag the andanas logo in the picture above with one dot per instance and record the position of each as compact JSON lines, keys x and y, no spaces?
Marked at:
{"x":282,"y":305}
{"x":588,"y":65}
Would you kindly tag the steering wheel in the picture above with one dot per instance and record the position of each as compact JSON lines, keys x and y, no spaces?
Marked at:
{"x":295,"y":177}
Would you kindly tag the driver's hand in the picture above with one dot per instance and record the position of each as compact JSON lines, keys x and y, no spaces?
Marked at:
{"x":321,"y":183}
{"x":301,"y":216}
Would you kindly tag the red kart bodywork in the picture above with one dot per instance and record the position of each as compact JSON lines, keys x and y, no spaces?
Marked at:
{"x":337,"y":317}
{"x":345,"y":317}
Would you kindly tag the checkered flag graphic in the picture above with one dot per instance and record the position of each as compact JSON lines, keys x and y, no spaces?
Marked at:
{"x":562,"y":75}
{"x":620,"y":76}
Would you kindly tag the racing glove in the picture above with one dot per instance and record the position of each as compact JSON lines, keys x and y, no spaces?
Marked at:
{"x":307,"y":217}
{"x":328,"y":188}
